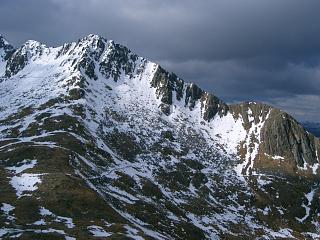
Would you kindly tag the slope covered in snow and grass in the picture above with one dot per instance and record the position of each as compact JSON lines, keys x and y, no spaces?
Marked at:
{"x":114,"y":144}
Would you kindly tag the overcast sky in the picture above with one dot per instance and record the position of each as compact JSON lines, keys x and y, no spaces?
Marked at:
{"x":262,"y":50}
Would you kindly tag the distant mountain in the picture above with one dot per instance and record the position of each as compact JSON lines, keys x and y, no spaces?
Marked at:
{"x":312,"y":127}
{"x":96,"y":141}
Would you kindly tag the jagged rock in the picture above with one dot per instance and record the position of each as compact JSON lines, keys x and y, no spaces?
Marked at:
{"x":211,"y":105}
{"x":18,"y":59}
{"x":16,"y":62}
{"x":163,"y":85}
{"x":193,"y":94}
{"x":166,"y":84}
{"x":117,"y":59}
{"x":88,"y":66}
{"x":257,"y":111}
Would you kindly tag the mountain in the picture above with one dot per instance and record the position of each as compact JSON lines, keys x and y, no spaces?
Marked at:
{"x":97,"y":142}
{"x":312,"y":127}
{"x":5,"y":52}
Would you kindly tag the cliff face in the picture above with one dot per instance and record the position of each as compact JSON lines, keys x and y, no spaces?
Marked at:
{"x":170,"y":88}
{"x":284,"y":146}
{"x":285,"y":137}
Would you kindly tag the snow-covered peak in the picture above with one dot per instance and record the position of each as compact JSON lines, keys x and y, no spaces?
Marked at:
{"x":92,"y":38}
{"x":32,"y":44}
{"x":33,"y":49}
{"x":90,"y":43}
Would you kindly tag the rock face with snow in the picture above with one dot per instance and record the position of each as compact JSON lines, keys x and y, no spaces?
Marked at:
{"x":283,"y":136}
{"x":5,"y":52}
{"x":279,"y":136}
{"x":96,"y":141}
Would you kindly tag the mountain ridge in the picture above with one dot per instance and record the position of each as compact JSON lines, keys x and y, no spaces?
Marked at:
{"x":150,"y":146}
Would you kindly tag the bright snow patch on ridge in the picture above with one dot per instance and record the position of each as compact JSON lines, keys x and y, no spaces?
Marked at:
{"x":309,"y":196}
{"x":284,"y":233}
{"x":24,"y":165}
{"x":98,"y":231}
{"x":25,"y":183}
{"x":6,"y":209}
{"x":68,"y":222}
{"x":228,"y":131}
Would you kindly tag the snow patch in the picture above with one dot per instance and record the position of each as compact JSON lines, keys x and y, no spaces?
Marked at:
{"x":282,"y":233}
{"x":315,"y":168}
{"x":3,"y":232}
{"x":274,"y":157}
{"x":228,"y":131}
{"x":133,"y":233}
{"x":24,"y":165}
{"x":26,"y":182}
{"x":97,"y":231}
{"x":40,"y":222}
{"x":309,"y":196}
{"x":65,"y":220}
{"x":7,"y":208}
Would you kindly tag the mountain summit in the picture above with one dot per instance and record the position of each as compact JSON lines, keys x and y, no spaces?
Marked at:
{"x":96,"y":141}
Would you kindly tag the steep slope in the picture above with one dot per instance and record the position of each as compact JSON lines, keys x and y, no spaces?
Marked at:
{"x":96,"y":140}
{"x":278,"y":143}
{"x":5,"y":52}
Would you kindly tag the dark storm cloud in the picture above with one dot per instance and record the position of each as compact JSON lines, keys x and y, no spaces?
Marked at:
{"x":241,"y":50}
